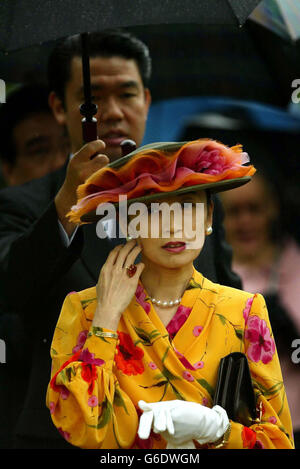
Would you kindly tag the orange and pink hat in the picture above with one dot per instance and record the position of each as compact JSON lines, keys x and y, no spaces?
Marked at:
{"x":161,"y":169}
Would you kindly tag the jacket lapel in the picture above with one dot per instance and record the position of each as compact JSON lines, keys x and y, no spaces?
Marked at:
{"x":187,"y":383}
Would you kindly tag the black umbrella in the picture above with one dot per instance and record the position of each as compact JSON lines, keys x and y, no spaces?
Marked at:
{"x":28,"y":22}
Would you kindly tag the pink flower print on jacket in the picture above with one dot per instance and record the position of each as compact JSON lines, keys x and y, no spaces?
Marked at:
{"x":247,"y":309}
{"x":141,"y":296}
{"x":87,"y":357}
{"x":262,"y":346}
{"x":93,"y":401}
{"x":197,"y":330}
{"x":183,"y":360}
{"x":64,"y":394}
{"x":187,"y":375}
{"x":272,"y":419}
{"x":81,"y":338}
{"x":64,"y":434}
{"x":52,"y":406}
{"x":152,"y":365}
{"x":205,"y":401}
{"x":198,"y":365}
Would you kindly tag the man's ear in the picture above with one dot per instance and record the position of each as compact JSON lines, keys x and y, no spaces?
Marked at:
{"x":148,"y":98}
{"x":8,"y":173}
{"x":56,"y":104}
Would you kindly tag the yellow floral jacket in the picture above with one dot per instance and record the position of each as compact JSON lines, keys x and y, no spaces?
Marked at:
{"x":96,"y":382}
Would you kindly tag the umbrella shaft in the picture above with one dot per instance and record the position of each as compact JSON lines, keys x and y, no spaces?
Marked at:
{"x":86,"y":68}
{"x":88,"y":109}
{"x":89,"y":130}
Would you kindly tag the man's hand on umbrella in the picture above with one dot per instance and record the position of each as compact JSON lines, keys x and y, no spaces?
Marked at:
{"x":89,"y":159}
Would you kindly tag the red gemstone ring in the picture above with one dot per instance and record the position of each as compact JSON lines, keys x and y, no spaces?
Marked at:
{"x":131,"y":270}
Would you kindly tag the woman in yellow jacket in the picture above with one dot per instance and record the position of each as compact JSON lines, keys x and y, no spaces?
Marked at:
{"x":135,"y":358}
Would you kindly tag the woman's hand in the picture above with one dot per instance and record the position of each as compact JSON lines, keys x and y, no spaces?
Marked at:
{"x":115,"y":288}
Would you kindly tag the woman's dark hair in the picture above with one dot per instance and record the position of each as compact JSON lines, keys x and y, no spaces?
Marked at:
{"x":110,"y":43}
{"x":208,"y":197}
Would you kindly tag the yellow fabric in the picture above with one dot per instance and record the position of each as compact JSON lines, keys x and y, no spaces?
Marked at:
{"x":97,"y":384}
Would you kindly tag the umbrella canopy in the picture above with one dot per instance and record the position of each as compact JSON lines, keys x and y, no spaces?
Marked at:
{"x":280,"y":16}
{"x":35,"y":21}
{"x":193,"y":60}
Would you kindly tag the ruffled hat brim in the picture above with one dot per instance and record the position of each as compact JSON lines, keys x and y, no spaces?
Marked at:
{"x":220,"y":186}
{"x":160,"y":170}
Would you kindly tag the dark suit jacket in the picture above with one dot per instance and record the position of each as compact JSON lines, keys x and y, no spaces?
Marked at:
{"x":36,"y":272}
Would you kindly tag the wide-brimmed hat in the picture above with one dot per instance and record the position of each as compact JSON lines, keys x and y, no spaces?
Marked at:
{"x":163,"y":169}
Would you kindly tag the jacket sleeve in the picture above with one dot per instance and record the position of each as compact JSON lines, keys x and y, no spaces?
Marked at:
{"x":274,"y":431}
{"x":86,"y":402}
{"x":32,"y":252}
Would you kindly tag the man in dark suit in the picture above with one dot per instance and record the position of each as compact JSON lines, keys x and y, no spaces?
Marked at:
{"x":42,"y":255}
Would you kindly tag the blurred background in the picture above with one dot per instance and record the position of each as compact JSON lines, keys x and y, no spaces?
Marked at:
{"x":203,"y":68}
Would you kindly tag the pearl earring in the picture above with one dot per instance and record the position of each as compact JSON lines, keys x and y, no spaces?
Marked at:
{"x":209,"y":230}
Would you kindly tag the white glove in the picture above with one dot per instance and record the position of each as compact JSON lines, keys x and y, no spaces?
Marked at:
{"x":156,"y":414}
{"x":190,"y":421}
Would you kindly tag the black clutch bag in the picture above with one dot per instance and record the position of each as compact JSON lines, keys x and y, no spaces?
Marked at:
{"x":234,"y":390}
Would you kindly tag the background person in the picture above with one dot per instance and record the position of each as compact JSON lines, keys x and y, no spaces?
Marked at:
{"x":267,"y":259}
{"x":32,"y":142}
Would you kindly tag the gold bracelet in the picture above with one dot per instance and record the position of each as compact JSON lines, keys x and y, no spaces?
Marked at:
{"x":223,"y":440}
{"x":98,"y":331}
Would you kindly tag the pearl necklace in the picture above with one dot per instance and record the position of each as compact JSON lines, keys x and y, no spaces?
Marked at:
{"x":165,"y":304}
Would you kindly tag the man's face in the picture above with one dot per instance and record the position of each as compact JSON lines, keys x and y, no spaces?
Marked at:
{"x":41,"y":147}
{"x":122,"y":102}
